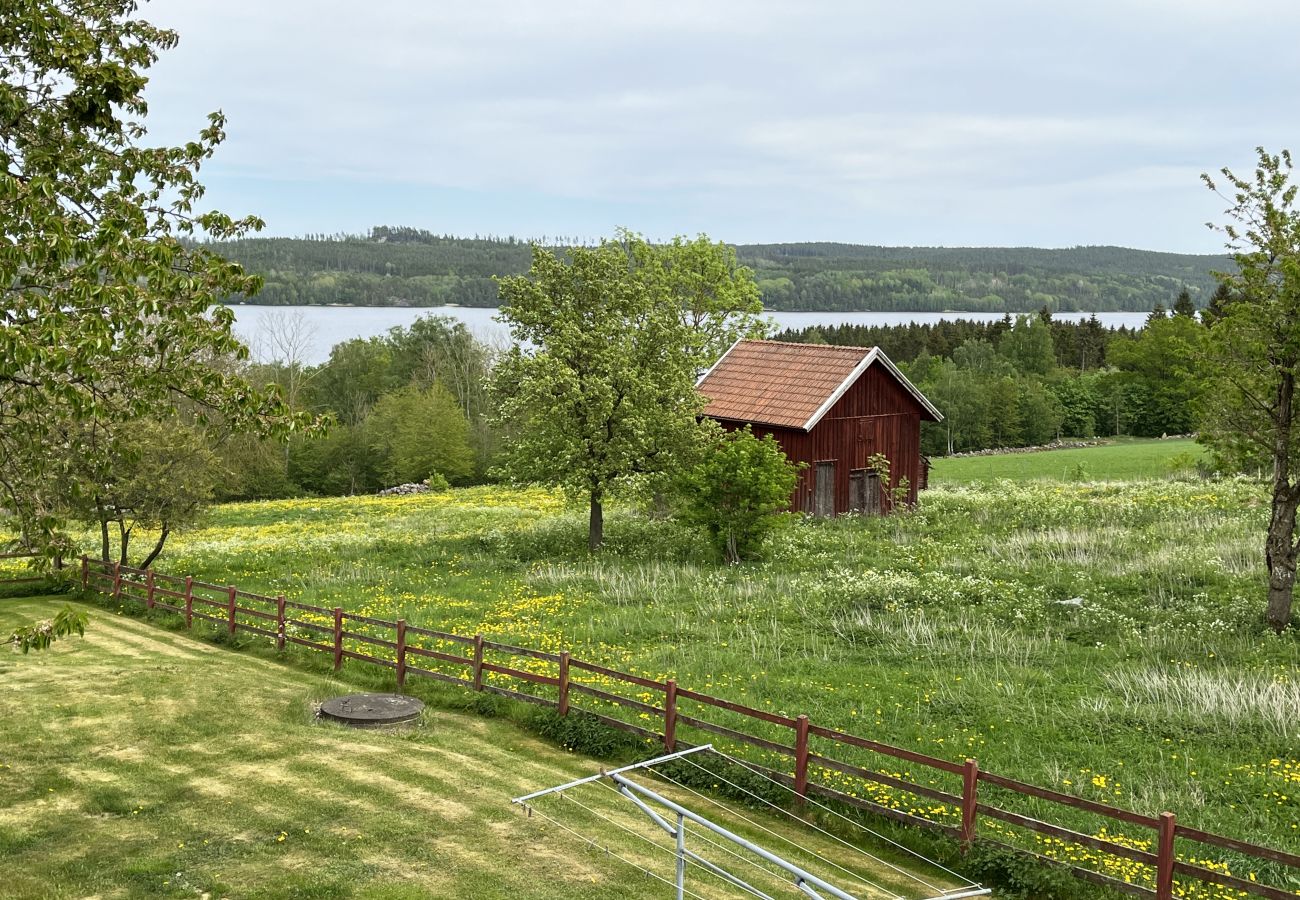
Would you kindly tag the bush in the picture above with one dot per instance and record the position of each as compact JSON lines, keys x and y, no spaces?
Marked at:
{"x":737,"y":491}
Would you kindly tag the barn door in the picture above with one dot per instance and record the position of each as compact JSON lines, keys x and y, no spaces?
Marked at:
{"x":871,"y":501}
{"x":857,"y":490}
{"x":824,"y":490}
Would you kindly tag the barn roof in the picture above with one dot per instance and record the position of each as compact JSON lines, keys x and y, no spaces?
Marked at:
{"x":790,"y":385}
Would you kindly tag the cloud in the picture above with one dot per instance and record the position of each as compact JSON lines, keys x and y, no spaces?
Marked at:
{"x":874,"y":121}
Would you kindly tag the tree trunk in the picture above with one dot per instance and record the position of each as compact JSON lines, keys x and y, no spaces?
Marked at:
{"x":596,"y":524}
{"x":126,"y":540}
{"x":732,"y":552}
{"x":157,"y":548}
{"x":1280,"y":546}
{"x":104,"y":548}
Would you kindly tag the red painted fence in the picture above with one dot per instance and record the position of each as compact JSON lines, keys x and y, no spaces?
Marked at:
{"x":413,"y":652}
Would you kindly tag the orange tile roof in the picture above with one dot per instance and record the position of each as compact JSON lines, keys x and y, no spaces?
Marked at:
{"x":777,"y":383}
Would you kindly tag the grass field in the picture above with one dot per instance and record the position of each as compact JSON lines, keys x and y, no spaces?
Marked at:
{"x":1101,"y":637}
{"x":1120,"y":460}
{"x":140,"y":763}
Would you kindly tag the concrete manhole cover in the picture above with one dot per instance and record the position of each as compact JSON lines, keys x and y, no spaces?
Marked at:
{"x":371,"y":710}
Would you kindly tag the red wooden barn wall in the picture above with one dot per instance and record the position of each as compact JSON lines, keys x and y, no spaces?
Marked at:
{"x":875,"y":415}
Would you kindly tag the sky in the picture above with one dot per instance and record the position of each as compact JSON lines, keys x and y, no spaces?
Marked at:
{"x":994,"y":123}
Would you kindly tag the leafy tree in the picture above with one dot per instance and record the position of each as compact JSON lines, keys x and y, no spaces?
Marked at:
{"x":357,"y":374}
{"x":1254,"y":354}
{"x":600,"y":386}
{"x":156,"y":478}
{"x":1028,"y":345}
{"x":738,"y":490}
{"x":1160,"y":363}
{"x":105,"y":312}
{"x":420,"y":433}
{"x":718,"y":298}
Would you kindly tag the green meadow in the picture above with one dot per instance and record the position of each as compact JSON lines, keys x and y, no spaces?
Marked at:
{"x":1115,"y":460}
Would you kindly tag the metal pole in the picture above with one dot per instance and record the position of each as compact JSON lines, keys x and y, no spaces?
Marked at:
{"x":681,"y":857}
{"x":794,"y":870}
{"x":590,"y":778}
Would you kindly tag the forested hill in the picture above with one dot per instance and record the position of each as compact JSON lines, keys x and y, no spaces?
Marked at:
{"x":409,"y":267}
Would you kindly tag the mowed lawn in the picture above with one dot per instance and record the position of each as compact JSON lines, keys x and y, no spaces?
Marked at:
{"x":137,"y":762}
{"x":1122,"y":460}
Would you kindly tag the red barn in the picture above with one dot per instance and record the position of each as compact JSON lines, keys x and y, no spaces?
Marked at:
{"x":832,"y":408}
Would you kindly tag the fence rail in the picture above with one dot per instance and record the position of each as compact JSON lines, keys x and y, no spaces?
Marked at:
{"x":8,"y":578}
{"x":472,"y":671}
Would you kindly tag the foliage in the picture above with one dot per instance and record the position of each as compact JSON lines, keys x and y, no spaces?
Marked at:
{"x":1254,"y":355}
{"x":105,"y":305}
{"x":423,"y":269}
{"x":1031,"y":380}
{"x":600,"y":384}
{"x":158,"y":477}
{"x":66,"y":622}
{"x":737,"y":490}
{"x":417,"y":434}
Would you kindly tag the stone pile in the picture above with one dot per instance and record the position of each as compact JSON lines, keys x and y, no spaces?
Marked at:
{"x":403,"y":489}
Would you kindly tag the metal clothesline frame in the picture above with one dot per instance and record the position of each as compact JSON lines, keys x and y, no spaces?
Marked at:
{"x":642,"y":797}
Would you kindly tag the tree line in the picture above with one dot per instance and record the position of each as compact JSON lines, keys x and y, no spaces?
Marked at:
{"x":1032,"y":379}
{"x":397,"y":266}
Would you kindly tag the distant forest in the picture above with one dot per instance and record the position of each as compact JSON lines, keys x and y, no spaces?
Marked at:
{"x":410,"y":267}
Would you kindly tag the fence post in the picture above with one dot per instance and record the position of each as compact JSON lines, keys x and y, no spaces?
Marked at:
{"x":148,"y":589}
{"x":117,"y":581}
{"x":338,"y":638}
{"x":1165,"y":858}
{"x":85,"y":573}
{"x":279,"y":622}
{"x":670,"y":716}
{"x":401,"y":653}
{"x":564,"y":682}
{"x":230,"y":609}
{"x":189,"y":601}
{"x":478,"y":662}
{"x":801,"y":757}
{"x":970,"y":774}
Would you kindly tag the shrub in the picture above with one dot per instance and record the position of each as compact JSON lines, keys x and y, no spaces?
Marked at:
{"x":737,"y":490}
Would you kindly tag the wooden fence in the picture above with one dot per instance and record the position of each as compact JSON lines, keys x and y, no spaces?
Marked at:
{"x":7,"y":577}
{"x":413,"y":652}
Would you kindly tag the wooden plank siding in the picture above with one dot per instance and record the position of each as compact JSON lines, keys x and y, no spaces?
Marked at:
{"x":875,"y":415}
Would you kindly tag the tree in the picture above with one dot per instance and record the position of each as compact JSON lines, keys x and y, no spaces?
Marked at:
{"x":155,"y":477}
{"x":1183,"y":305}
{"x":1157,"y":313}
{"x":1218,"y":305}
{"x":600,"y":384}
{"x":418,"y":434}
{"x":1028,"y":345}
{"x":1254,"y":354}
{"x":738,"y":490}
{"x":1159,"y":364}
{"x":105,"y":315}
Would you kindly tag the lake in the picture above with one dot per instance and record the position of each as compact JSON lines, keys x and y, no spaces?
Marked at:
{"x":330,"y":325}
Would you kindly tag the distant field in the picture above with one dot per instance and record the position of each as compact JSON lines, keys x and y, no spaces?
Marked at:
{"x":1125,"y":460}
{"x":141,"y":763}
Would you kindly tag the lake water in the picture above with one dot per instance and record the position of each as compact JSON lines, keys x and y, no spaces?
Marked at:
{"x":330,"y":325}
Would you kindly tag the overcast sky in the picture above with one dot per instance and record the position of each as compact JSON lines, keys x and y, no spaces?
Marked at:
{"x":923,"y":123}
